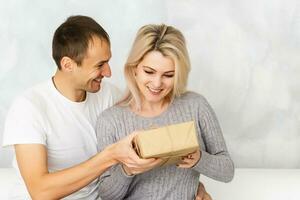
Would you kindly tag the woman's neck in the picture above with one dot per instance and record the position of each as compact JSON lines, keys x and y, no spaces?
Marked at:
{"x":151,"y":109}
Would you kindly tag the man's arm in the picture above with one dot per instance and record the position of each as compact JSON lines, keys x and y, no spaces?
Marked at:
{"x":41,"y":184}
{"x":115,"y":182}
{"x":32,"y":162}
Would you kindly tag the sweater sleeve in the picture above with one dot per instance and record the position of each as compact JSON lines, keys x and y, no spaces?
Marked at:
{"x":215,"y":161}
{"x":114,"y":183}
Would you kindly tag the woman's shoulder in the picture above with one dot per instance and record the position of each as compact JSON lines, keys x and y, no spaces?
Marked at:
{"x":115,"y":111}
{"x":191,"y":97}
{"x":193,"y":101}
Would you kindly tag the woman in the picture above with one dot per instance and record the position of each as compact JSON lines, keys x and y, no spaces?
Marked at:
{"x":156,"y":73}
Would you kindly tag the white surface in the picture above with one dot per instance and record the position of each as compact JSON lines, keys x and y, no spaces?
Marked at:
{"x":257,"y":184}
{"x":248,"y":184}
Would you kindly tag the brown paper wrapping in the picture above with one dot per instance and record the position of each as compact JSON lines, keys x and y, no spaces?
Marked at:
{"x":169,"y":142}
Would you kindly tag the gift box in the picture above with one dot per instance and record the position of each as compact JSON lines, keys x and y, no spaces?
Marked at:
{"x":169,"y":142}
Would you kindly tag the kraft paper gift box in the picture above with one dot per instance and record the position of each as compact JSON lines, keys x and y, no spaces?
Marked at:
{"x":169,"y":142}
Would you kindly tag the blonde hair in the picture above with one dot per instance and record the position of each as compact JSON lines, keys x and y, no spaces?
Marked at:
{"x":169,"y":42}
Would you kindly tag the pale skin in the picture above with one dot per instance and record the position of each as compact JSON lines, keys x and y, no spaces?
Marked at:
{"x":73,"y":81}
{"x":44,"y":185}
{"x":154,"y":76}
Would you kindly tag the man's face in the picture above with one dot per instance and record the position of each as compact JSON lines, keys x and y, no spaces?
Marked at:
{"x":94,"y":66}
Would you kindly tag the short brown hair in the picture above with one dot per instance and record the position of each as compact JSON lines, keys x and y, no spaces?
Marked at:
{"x":73,"y":36}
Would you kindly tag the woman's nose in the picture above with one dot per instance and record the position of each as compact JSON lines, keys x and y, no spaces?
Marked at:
{"x":157,"y":82}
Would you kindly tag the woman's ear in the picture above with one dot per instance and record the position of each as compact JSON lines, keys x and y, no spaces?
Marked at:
{"x":67,"y":64}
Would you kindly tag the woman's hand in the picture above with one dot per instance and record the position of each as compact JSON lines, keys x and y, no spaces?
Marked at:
{"x":190,"y":160}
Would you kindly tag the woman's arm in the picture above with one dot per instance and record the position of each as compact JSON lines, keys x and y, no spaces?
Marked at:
{"x":214,"y":161}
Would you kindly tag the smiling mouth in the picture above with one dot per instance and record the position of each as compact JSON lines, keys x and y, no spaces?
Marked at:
{"x":97,"y":80}
{"x":154,"y":91}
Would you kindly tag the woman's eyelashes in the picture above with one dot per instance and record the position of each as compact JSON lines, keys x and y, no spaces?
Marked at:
{"x":169,"y":75}
{"x":148,"y":72}
{"x":152,"y":72}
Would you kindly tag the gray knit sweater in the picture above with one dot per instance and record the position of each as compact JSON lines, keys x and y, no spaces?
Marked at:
{"x":168,"y":182}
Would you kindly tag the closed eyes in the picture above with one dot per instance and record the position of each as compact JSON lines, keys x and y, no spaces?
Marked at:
{"x":152,"y":72}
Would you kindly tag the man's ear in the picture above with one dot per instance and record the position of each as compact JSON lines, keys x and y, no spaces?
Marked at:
{"x":67,"y":64}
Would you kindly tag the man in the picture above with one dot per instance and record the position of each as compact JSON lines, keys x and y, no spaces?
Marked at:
{"x":52,"y":124}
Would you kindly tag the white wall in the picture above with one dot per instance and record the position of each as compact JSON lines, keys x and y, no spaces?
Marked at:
{"x":245,"y":57}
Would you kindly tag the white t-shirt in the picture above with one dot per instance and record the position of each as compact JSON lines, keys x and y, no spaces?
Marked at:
{"x":44,"y":116}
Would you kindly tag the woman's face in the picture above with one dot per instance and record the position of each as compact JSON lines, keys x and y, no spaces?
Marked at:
{"x":155,"y":77}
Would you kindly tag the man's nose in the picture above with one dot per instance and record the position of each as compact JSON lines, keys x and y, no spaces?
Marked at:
{"x":106,"y":70}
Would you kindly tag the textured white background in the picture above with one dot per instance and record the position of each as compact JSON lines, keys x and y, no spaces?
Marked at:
{"x":245,"y":61}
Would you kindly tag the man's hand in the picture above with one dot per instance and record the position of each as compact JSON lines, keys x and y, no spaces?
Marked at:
{"x":202,"y":194}
{"x":141,"y":168}
{"x":124,"y":153}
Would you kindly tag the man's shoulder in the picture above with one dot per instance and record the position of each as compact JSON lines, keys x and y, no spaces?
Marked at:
{"x":29,"y":102}
{"x":34,"y":94}
{"x":37,"y":89}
